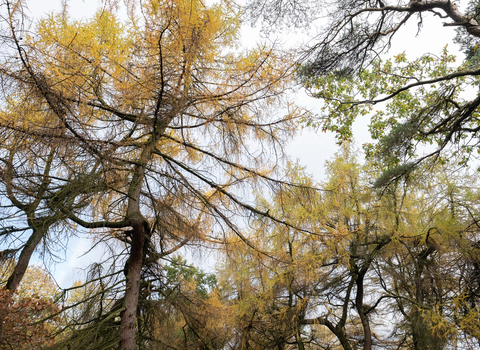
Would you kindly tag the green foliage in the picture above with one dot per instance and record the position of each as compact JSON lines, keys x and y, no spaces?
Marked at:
{"x":178,"y":270}
{"x":469,"y":45}
{"x":420,"y":114}
{"x":390,"y":175}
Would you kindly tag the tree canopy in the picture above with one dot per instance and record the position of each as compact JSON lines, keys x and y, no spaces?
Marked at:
{"x":139,"y":130}
{"x":149,"y":131}
{"x":394,"y":271}
{"x":426,"y":98}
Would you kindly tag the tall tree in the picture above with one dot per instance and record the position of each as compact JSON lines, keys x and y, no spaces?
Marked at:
{"x":155,"y":120}
{"x":378,"y":271}
{"x":312,"y":282}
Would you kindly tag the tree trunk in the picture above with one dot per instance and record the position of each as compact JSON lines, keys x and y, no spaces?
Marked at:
{"x":128,"y":315}
{"x":24,"y":259}
{"x":367,"y":332}
{"x":22,"y":265}
{"x":298,"y":337}
{"x":337,"y":330}
{"x":135,"y":261}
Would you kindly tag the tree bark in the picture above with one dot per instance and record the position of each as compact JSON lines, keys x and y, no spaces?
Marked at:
{"x":128,"y":315}
{"x":139,"y":231}
{"x":298,"y":337}
{"x":367,"y":332}
{"x":337,"y":330}
{"x":24,"y":259}
{"x":22,"y":265}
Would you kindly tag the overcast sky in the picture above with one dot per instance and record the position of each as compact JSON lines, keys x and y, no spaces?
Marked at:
{"x":310,"y":147}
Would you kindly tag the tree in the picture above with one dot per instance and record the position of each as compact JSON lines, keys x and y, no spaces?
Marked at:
{"x":352,"y":40}
{"x":379,"y":271}
{"x":411,"y":117}
{"x":312,"y":282}
{"x":188,"y":311}
{"x":179,"y":308}
{"x":141,"y":128}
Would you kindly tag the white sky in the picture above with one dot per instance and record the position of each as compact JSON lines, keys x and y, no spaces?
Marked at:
{"x":310,"y":147}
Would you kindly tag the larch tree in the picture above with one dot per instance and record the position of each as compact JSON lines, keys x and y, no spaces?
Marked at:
{"x":314,"y":289}
{"x":391,"y":271}
{"x":270,"y":288}
{"x":430,"y":101}
{"x":142,"y":129}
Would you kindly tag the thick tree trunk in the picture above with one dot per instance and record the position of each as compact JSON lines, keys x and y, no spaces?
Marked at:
{"x":128,"y":315}
{"x":135,"y":261}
